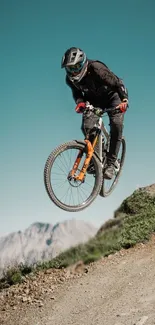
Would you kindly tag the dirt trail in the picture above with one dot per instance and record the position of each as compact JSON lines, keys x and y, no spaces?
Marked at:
{"x":119,"y":290}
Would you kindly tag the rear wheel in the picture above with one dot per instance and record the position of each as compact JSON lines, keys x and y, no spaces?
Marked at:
{"x":109,"y":185}
{"x":69,"y":194}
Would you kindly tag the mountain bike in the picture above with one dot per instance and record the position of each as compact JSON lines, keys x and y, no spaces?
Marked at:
{"x":74,"y":171}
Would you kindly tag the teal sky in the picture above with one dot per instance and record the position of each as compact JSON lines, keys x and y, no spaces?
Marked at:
{"x":37,"y":109}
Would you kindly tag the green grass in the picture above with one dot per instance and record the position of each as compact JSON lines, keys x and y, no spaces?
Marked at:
{"x":135,"y":223}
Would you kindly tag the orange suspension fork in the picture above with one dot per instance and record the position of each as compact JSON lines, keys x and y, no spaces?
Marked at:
{"x":76,"y":164}
{"x":90,"y":151}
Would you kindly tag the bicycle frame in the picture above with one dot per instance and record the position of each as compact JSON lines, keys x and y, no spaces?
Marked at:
{"x":100,"y":132}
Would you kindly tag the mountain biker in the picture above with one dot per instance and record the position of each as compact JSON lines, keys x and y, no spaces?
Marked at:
{"x":93,"y":81}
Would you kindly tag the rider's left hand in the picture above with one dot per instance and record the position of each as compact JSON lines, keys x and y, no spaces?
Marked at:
{"x":123,"y":106}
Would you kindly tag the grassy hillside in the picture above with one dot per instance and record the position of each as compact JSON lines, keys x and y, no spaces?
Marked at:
{"x":133,"y":222}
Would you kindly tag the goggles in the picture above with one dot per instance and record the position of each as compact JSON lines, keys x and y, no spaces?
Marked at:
{"x":75,"y":68}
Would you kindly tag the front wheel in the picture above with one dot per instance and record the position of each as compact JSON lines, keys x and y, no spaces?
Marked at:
{"x":69,"y":194}
{"x":109,"y":185}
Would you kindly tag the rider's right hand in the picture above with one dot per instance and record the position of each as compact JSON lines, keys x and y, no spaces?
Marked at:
{"x":80,"y":107}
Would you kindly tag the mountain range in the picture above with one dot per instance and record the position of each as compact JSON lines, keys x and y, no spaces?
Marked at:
{"x":43,"y":241}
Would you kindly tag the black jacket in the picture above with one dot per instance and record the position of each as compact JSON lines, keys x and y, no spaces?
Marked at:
{"x":99,"y":86}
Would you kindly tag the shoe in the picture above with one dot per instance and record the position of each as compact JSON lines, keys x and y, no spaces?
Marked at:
{"x":117,"y":166}
{"x":111,"y":170}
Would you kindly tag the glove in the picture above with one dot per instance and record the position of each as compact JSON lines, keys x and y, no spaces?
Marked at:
{"x":80,"y":108}
{"x":123,"y":106}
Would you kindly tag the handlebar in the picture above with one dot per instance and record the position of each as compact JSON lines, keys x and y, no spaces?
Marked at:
{"x":99,"y":111}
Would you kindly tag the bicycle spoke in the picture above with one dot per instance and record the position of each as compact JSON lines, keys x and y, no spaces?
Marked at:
{"x":62,"y":162}
{"x":80,"y":194}
{"x":67,"y":164}
{"x":62,"y":170}
{"x":60,"y":184}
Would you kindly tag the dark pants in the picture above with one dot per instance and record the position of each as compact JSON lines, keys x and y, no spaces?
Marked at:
{"x":116,"y":128}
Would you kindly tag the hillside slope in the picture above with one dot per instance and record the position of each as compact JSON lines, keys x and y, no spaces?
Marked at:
{"x":119,"y":290}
